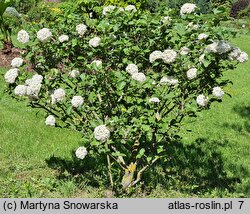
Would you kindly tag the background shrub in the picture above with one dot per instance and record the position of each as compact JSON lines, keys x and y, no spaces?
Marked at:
{"x":23,"y":6}
{"x":245,"y":13}
{"x":238,"y":6}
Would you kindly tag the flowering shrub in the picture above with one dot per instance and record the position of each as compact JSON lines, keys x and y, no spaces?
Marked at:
{"x":126,"y":80}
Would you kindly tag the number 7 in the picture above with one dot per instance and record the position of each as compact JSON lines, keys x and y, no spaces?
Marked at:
{"x":241,"y":203}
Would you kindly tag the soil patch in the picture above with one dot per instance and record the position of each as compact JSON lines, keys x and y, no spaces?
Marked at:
{"x":5,"y":59}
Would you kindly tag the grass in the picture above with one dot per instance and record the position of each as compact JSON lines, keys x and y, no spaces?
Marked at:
{"x":212,"y":161}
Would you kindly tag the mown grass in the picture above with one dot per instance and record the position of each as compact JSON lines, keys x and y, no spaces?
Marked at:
{"x":212,"y":161}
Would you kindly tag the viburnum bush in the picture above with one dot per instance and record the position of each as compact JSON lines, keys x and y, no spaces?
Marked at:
{"x":125,"y":79}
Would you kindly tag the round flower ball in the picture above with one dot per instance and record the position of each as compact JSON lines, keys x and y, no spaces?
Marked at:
{"x":193,"y":26}
{"x":168,"y":80}
{"x":17,"y":62}
{"x":77,"y":101}
{"x":20,"y":90}
{"x":166,"y":19}
{"x":23,"y":37}
{"x":63,"y":38}
{"x":11,"y":75}
{"x":95,"y":42}
{"x":155,"y":55}
{"x":108,"y":9}
{"x":50,"y":120}
{"x":169,"y":56}
{"x":58,"y":95}
{"x":131,"y":8}
{"x":154,"y":100}
{"x":212,"y":48}
{"x":217,"y":92}
{"x":242,"y":57}
{"x":187,"y":8}
{"x":74,"y":73}
{"x":37,"y":78}
{"x":44,"y":35}
{"x":191,"y":73}
{"x":184,"y":51}
{"x":81,"y":29}
{"x":97,"y":62}
{"x":101,"y":133}
{"x":202,"y":100}
{"x":81,"y":152}
{"x":132,"y":69}
{"x":223,"y":47}
{"x":202,"y":36}
{"x":140,"y":77}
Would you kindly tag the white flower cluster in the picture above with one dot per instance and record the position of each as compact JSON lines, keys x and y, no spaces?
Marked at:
{"x":168,"y":80}
{"x":223,"y":47}
{"x":202,"y":58}
{"x":81,"y":152}
{"x":202,"y":36}
{"x":191,"y":73}
{"x":81,"y":29}
{"x":131,"y":8}
{"x":50,"y":120}
{"x":77,"y":101}
{"x":97,"y":62}
{"x":101,"y":133}
{"x":63,"y":38}
{"x":11,"y":75}
{"x":31,"y":88}
{"x":20,"y":90}
{"x":154,"y":100}
{"x":155,"y":55}
{"x":169,"y":56}
{"x":217,"y":92}
{"x":187,"y":8}
{"x":219,"y":47}
{"x":202,"y":100}
{"x":121,"y":9}
{"x":74,"y":73}
{"x":192,"y":26}
{"x":166,"y":19}
{"x":132,"y":69}
{"x":238,"y":55}
{"x":17,"y":62}
{"x":94,"y":42}
{"x":140,"y":77}
{"x":184,"y":51}
{"x":58,"y":96}
{"x":44,"y":35}
{"x":108,"y":9}
{"x":23,"y":37}
{"x":34,"y":85}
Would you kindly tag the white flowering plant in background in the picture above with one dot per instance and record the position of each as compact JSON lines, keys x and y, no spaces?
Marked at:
{"x":126,"y":80}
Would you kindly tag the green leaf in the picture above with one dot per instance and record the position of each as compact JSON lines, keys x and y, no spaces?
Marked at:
{"x":121,"y":85}
{"x":74,"y":42}
{"x":160,"y":149}
{"x":141,"y":153}
{"x":95,"y":143}
{"x":117,"y":154}
{"x":69,"y":110}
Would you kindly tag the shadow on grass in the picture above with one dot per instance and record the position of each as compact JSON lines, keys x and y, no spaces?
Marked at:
{"x":91,"y":171}
{"x":243,"y":127}
{"x":194,"y":168}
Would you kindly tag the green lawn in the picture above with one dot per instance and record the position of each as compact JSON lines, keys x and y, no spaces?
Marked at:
{"x":213,"y":161}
